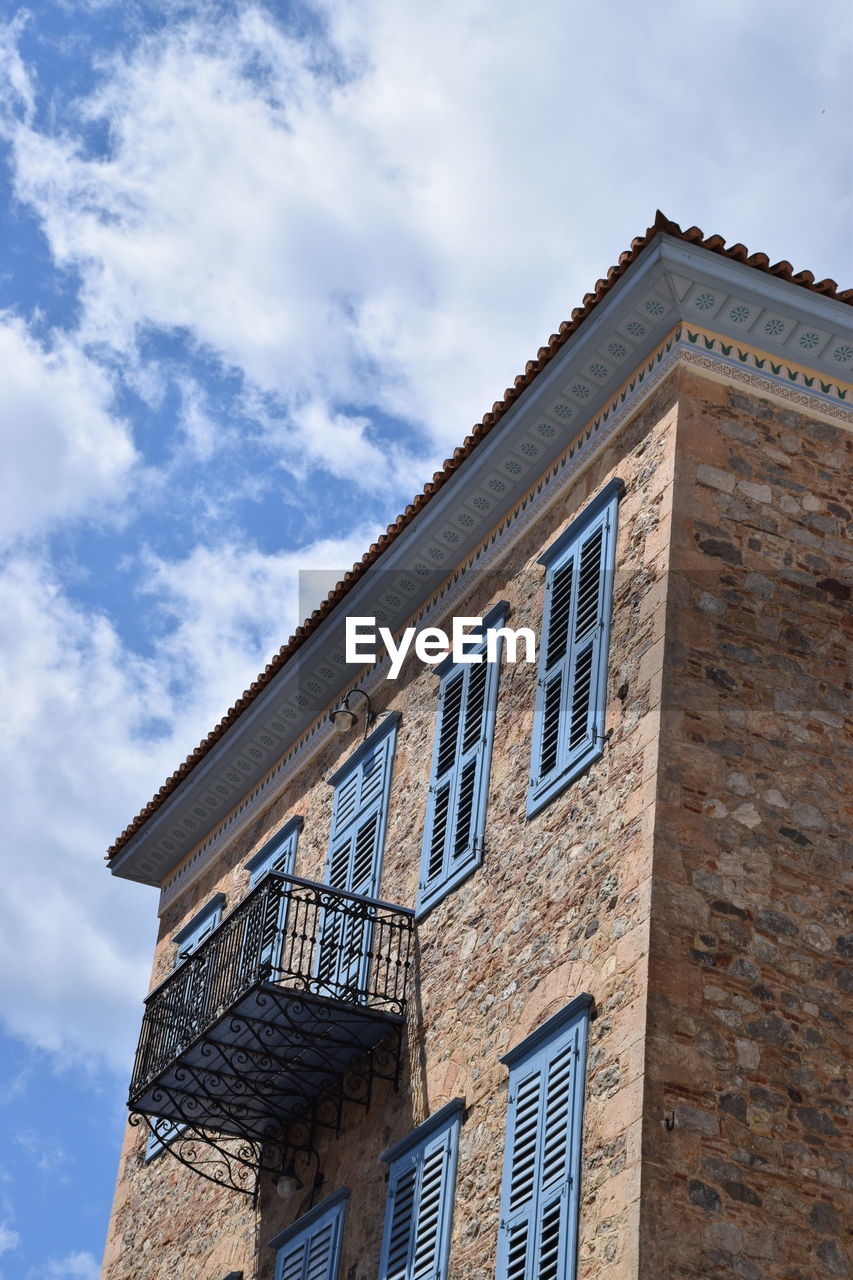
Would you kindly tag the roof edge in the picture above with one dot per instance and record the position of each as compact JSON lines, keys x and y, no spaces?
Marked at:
{"x":661,"y":225}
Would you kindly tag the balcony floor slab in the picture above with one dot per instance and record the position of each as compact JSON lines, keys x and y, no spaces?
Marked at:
{"x":269,"y":1059}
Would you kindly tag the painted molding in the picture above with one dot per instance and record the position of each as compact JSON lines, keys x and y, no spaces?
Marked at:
{"x":694,"y":348}
{"x":712,"y":304}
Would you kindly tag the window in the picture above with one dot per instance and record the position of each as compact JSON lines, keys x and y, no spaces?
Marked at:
{"x":190,"y":938}
{"x":568,"y":729}
{"x":459,"y":780}
{"x":310,"y":1249}
{"x":421,"y":1179}
{"x":187,"y":940}
{"x":539,"y":1200}
{"x":278,"y":854}
{"x":359,"y":817}
{"x":162,"y":1133}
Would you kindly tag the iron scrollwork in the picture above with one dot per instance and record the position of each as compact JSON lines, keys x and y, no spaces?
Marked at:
{"x":289,"y":1009}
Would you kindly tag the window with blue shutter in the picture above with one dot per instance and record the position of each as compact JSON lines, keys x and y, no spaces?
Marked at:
{"x":186,"y":941}
{"x":419,"y":1209}
{"x":310,"y":1249}
{"x":160,"y":1135}
{"x":459,"y":779}
{"x":537,"y":1237}
{"x":568,"y":730}
{"x":359,"y":818}
{"x":190,"y":938}
{"x":278,"y":854}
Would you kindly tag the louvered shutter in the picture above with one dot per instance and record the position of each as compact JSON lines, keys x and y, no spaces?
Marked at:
{"x":553,"y":682}
{"x":419,"y":1210}
{"x":312,"y":1253}
{"x":523,"y":1141}
{"x":292,"y":1262}
{"x":538,"y":1225}
{"x":279,"y":854}
{"x":402,"y":1191}
{"x":310,"y":1259}
{"x":190,"y":938}
{"x":200,"y":979}
{"x":569,"y":723}
{"x":456,"y":809}
{"x":355,"y":852}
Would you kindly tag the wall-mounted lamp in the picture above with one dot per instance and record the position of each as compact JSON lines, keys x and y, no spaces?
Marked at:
{"x":344,"y":718}
{"x":288,"y":1181}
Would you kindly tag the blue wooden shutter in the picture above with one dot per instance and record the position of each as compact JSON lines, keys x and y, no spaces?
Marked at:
{"x":359,"y":817}
{"x":312,"y":1251}
{"x":278,"y":854}
{"x":539,"y":1203}
{"x":459,"y":781}
{"x":416,"y":1242}
{"x":190,"y":938}
{"x":197,"y":990}
{"x":400,"y":1217}
{"x":310,"y":1258}
{"x":570,"y":696}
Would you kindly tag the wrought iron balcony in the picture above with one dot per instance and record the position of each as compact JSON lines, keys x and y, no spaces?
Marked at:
{"x":291,"y":1007}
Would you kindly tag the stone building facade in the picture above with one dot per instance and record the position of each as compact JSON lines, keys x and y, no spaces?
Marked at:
{"x":682,"y":896}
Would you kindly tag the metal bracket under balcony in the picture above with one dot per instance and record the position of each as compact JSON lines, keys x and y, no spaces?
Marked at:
{"x":292,"y":1007}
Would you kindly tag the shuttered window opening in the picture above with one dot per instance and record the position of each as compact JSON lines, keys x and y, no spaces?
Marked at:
{"x":359,"y":818}
{"x":187,"y":940}
{"x":422,"y":1176}
{"x":310,"y":1249}
{"x":540,"y":1195}
{"x":568,"y":729}
{"x":278,"y":854}
{"x":310,"y":1259}
{"x":459,"y":778}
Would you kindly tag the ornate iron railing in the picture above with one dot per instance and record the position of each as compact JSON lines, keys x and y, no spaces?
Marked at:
{"x":318,"y":941}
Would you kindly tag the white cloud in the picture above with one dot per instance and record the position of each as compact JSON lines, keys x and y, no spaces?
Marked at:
{"x":227,"y":608}
{"x":74,"y":1266}
{"x":341,"y":443}
{"x":78,"y":758}
{"x":72,"y":948}
{"x":44,"y":1153}
{"x":200,"y":429}
{"x":9,"y":1239}
{"x":16,"y":90}
{"x":64,"y":453}
{"x":395,"y":216}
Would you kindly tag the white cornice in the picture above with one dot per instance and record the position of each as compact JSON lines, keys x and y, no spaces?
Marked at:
{"x":593,"y":379}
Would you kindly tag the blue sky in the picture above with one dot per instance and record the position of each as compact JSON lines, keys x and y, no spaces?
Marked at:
{"x":261,"y":268}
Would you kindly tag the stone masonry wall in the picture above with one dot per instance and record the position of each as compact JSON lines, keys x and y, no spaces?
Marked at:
{"x":746,"y":1134}
{"x":560,"y":905}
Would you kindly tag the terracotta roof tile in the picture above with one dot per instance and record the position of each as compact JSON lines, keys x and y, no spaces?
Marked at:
{"x":693,"y":235}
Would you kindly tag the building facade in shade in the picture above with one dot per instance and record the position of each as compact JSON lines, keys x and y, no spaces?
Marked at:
{"x":536,"y":970}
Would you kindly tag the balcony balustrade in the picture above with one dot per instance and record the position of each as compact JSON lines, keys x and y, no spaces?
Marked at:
{"x":290,"y":1008}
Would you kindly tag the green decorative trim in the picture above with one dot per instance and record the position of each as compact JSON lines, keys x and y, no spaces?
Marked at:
{"x":785,"y":373}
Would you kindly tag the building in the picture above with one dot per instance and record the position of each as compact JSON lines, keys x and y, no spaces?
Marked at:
{"x":536,"y":970}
